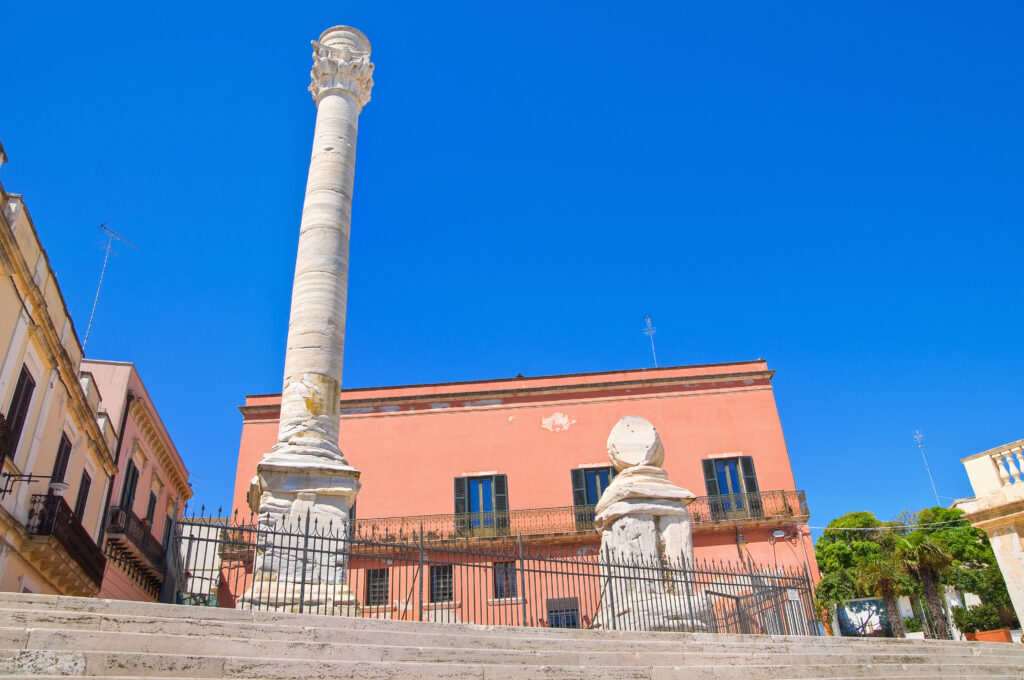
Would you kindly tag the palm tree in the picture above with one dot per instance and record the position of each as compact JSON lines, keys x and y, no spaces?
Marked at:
{"x":925,"y":560}
{"x":880,"y":574}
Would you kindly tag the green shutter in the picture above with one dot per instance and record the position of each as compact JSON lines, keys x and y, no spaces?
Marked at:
{"x":499,"y":484}
{"x":750,"y":486}
{"x":579,"y":487}
{"x":749,"y":477}
{"x":461,"y":506}
{"x":710,"y":479}
{"x":461,"y":495}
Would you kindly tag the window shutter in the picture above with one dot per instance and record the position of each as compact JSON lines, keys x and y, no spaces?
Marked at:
{"x":60,"y":464}
{"x":710,"y":479}
{"x":501,"y":514}
{"x":612,"y":472}
{"x":83,"y":496}
{"x":500,"y":487}
{"x":461,"y":495}
{"x":749,"y":477}
{"x":579,"y":488}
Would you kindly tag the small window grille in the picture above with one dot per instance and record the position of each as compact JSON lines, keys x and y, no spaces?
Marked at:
{"x":376,"y":587}
{"x":441,"y":583}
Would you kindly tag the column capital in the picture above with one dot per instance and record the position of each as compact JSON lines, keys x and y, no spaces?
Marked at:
{"x":341,"y":65}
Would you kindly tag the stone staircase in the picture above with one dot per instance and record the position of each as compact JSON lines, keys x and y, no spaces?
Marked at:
{"x":43,"y":636}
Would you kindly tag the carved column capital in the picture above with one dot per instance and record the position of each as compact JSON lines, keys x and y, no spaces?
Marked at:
{"x":341,"y":65}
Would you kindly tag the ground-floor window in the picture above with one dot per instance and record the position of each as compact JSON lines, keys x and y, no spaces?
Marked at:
{"x":376,"y":587}
{"x":441,"y":583}
{"x":563,"y":612}
{"x":504,"y":579}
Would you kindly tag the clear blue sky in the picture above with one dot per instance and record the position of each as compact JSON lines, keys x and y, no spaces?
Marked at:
{"x":834,"y":187}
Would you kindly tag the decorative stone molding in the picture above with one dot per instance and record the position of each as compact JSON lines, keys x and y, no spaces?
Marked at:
{"x":341,"y":64}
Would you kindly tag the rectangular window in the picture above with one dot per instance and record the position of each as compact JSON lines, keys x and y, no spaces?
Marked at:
{"x":732,"y":488}
{"x":587,"y":486}
{"x":563,"y":612}
{"x":131,"y":480}
{"x":504,"y":580}
{"x":481,"y":506}
{"x":376,"y":587}
{"x":151,"y":508}
{"x":17,"y":413}
{"x":442,"y":587}
{"x":83,"y":496}
{"x":60,"y":464}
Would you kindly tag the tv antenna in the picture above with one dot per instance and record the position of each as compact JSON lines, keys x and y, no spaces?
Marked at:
{"x":920,"y":444}
{"x":110,"y":242}
{"x":649,"y":332}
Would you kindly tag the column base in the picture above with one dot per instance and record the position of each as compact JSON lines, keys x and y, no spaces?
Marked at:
{"x":270,"y":595}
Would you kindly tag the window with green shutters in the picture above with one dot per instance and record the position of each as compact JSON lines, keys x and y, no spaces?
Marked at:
{"x":481,"y":506}
{"x":732,"y":488}
{"x":587,"y":486}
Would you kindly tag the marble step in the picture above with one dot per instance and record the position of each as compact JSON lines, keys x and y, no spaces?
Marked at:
{"x":439,"y":636}
{"x":453,"y":652}
{"x":104,"y":664}
{"x":141,"y":610}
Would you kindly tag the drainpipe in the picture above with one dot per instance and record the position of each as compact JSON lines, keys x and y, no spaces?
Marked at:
{"x":128,"y":399}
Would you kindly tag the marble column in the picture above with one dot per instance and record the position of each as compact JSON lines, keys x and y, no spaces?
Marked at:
{"x":306,"y":472}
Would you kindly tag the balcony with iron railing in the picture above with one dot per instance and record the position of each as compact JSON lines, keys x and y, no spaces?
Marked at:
{"x":707,"y":512}
{"x":134,"y":542}
{"x":51,"y":517}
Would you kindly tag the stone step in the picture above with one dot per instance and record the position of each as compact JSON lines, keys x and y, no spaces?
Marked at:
{"x":101,"y":664}
{"x":326,"y":623}
{"x":437,"y":636}
{"x":453,"y":652}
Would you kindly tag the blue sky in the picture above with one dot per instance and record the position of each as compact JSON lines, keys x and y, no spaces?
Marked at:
{"x":834,"y":187}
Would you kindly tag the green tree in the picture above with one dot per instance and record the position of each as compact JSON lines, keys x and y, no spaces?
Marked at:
{"x":883,"y":575}
{"x":926,"y":560}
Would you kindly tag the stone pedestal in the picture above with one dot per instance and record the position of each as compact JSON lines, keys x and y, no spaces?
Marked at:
{"x":305,"y":479}
{"x":646,"y":533}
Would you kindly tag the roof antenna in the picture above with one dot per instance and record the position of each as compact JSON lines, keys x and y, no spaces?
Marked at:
{"x":649,"y":332}
{"x":110,"y":241}
{"x":920,"y":444}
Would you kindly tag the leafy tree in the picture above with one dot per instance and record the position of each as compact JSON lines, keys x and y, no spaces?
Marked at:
{"x":926,"y":560}
{"x":882,"y":575}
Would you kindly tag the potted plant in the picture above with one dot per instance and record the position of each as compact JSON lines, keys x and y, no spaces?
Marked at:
{"x":981,"y":623}
{"x":914,"y":629}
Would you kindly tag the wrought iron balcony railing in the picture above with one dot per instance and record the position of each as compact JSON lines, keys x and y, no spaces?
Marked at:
{"x":706,"y":511}
{"x":135,"y":540}
{"x":50,"y":515}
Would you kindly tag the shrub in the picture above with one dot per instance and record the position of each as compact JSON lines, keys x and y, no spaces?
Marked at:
{"x":982,"y":617}
{"x":912,"y":624}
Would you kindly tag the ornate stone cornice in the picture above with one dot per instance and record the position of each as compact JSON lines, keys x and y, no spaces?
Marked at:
{"x":169,"y":461}
{"x":341,"y":65}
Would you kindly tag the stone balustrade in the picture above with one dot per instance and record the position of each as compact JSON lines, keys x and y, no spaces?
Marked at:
{"x":993,"y":470}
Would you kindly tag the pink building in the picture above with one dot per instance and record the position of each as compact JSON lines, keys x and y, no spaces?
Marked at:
{"x":526,"y":456}
{"x":151,"y":485}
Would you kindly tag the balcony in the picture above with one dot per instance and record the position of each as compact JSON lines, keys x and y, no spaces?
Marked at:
{"x":68,"y":555}
{"x":131,"y":539}
{"x":708,"y":512}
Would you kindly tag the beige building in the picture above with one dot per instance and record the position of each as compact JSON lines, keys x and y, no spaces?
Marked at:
{"x":55,"y":443}
{"x":997,"y":477}
{"x":151,"y":485}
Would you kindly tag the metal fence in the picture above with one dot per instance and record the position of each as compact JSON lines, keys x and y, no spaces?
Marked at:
{"x":214,"y":561}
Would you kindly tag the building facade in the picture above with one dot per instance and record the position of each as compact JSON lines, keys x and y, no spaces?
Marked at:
{"x":527,"y":457}
{"x":150,"y":487}
{"x":997,"y":478}
{"x":56,"y":443}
